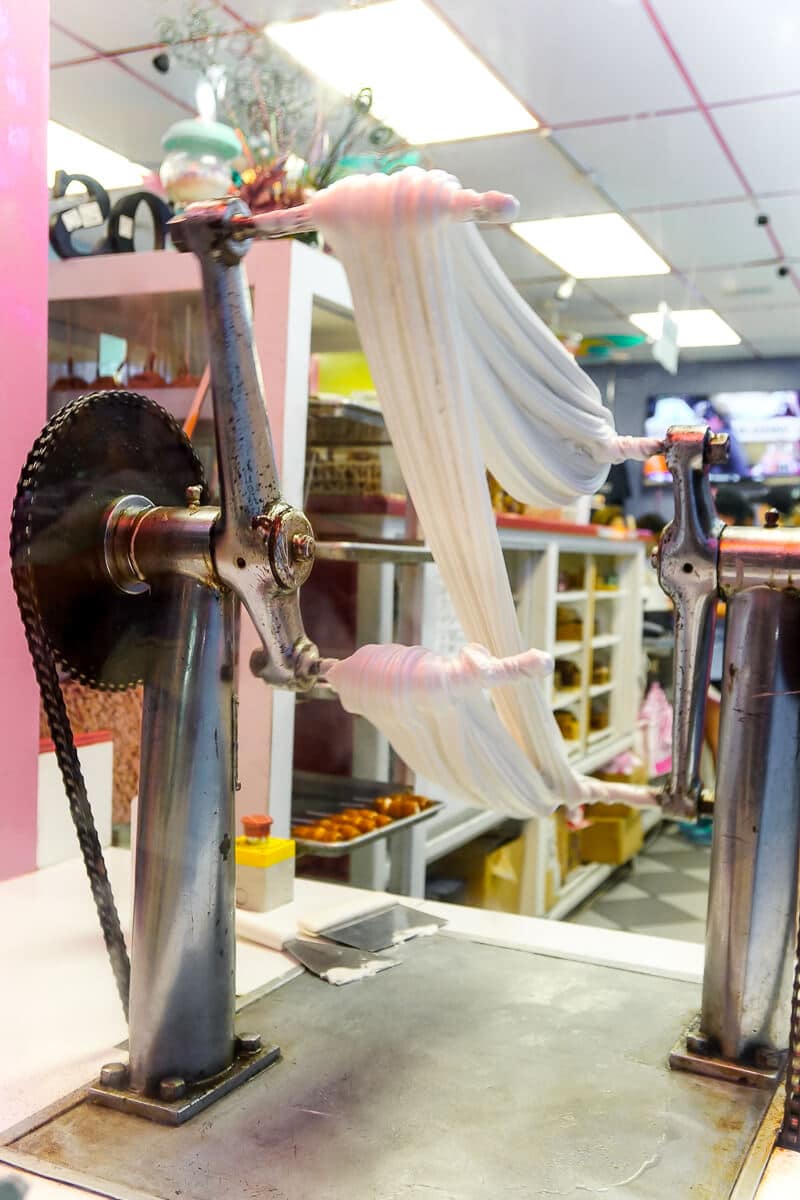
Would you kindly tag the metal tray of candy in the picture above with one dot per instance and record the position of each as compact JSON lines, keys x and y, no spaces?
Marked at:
{"x":317,"y":798}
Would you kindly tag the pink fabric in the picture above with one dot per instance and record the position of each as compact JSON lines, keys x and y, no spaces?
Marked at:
{"x":24,"y":41}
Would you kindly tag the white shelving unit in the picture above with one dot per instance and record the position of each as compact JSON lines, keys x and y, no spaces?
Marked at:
{"x":595,"y":581}
{"x":536,"y":561}
{"x":588,"y":586}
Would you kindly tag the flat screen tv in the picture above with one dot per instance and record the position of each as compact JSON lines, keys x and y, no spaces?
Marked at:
{"x":764,"y":430}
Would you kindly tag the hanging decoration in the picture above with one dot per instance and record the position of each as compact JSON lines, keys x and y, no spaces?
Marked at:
{"x":295,"y":135}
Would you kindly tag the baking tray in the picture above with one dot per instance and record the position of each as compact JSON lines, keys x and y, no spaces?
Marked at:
{"x":337,"y":421}
{"x":332,"y":793}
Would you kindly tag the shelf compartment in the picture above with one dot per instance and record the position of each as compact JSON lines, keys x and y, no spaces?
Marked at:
{"x":600,"y":735}
{"x":572,"y":597}
{"x":563,"y":649}
{"x":600,"y":689}
{"x":601,"y":641}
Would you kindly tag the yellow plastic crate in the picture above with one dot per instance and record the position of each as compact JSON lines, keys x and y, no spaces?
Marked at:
{"x":614,"y":835}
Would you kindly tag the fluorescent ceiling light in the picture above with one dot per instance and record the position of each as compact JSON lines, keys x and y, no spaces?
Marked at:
{"x":426,"y":82}
{"x":602,"y":246}
{"x":696,"y":327}
{"x":78,"y":155}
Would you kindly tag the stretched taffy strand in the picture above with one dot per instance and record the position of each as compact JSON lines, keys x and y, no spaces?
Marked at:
{"x":467,"y":375}
{"x":436,"y":713}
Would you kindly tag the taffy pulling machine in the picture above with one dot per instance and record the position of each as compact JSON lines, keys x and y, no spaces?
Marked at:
{"x":473,"y":1070}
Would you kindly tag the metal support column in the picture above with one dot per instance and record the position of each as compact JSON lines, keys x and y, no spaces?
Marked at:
{"x":754,"y":861}
{"x":183,"y":954}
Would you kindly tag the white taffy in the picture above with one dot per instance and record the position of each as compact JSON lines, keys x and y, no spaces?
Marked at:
{"x":468,"y":377}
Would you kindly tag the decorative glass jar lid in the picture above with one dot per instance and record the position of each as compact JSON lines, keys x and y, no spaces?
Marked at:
{"x":198,"y":136}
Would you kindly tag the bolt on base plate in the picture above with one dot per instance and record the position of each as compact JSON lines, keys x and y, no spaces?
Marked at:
{"x":688,"y":1054}
{"x":190,"y":1100}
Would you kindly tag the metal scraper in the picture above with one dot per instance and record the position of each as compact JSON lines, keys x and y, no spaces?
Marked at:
{"x":380,"y":930}
{"x":336,"y":964}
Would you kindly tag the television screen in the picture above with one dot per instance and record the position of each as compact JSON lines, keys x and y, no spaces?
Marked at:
{"x":763,"y":427}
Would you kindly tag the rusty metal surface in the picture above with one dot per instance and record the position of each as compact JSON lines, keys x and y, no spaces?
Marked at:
{"x":467,"y":1072}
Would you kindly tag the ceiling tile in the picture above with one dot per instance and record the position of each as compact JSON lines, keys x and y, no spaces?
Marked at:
{"x":583,"y":299}
{"x":259,"y":12}
{"x":572,"y":61}
{"x":756,"y":47}
{"x":784,"y":215}
{"x":774,"y":323}
{"x":780,"y":347}
{"x":516,"y":258}
{"x":180,"y":81}
{"x":528,"y":166}
{"x":712,"y":235}
{"x":645,"y":293}
{"x":666,"y":160}
{"x":746,"y":288}
{"x":763,"y":138}
{"x":114,"y":26}
{"x":608,"y":323}
{"x":131,"y":124}
{"x":64,"y":48}
{"x":581,"y":312}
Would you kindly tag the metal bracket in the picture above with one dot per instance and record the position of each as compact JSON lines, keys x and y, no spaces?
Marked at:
{"x":694,"y":1052}
{"x":687,"y":571}
{"x":178,"y":1102}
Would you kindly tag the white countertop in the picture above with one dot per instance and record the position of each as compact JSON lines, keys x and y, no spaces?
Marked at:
{"x":60,"y":1017}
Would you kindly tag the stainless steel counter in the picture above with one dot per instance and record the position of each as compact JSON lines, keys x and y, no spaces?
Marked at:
{"x":469,"y":1071}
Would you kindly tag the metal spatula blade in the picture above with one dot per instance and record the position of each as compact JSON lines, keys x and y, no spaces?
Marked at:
{"x":381,"y":930}
{"x":336,"y":964}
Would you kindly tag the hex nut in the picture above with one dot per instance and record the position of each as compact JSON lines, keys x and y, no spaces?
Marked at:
{"x":248,"y":1043}
{"x":698,"y":1043}
{"x":172,"y":1088}
{"x":114,"y":1075}
{"x":767,"y":1058}
{"x":718,"y":449}
{"x":302,"y":547}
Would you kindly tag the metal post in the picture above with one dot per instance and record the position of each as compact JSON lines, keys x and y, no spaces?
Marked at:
{"x":754,"y":860}
{"x":183,"y":953}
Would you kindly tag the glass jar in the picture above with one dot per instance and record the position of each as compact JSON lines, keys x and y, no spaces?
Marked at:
{"x":197,"y":163}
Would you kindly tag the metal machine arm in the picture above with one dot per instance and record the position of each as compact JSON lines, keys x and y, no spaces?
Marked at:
{"x":687,"y":571}
{"x":263,"y":548}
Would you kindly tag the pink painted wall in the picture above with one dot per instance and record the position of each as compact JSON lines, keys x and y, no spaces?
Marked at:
{"x":24,"y":45}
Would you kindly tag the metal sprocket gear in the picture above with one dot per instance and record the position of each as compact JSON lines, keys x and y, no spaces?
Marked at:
{"x":99,"y":447}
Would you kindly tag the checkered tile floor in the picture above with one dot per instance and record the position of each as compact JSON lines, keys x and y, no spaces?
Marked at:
{"x":664,"y":893}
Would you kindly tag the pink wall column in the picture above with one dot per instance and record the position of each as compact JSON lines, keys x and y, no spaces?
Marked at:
{"x":24,"y":43}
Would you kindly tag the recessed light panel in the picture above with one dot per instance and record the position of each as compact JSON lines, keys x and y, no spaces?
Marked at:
{"x":601,"y":246}
{"x":696,"y":327}
{"x":426,"y":82}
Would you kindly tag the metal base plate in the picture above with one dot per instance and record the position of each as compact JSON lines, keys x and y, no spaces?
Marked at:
{"x":743,"y":1074}
{"x":175,"y":1112}
{"x":465,"y":1072}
